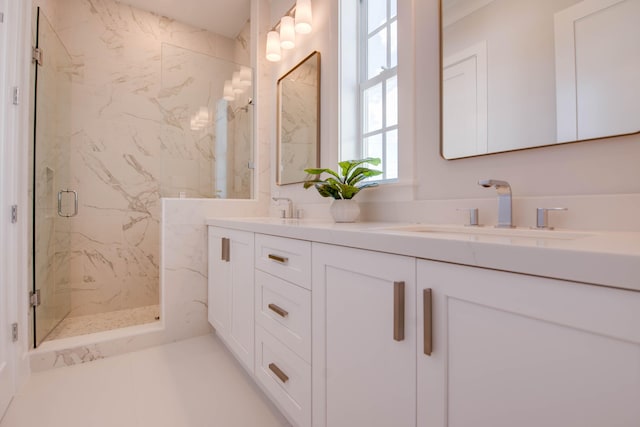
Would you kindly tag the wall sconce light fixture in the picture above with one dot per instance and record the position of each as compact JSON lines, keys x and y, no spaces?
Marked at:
{"x":283,"y":34}
{"x":303,"y":16}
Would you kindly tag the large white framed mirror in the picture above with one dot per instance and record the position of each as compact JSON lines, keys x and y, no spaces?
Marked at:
{"x":299,"y":121}
{"x":518,"y":74}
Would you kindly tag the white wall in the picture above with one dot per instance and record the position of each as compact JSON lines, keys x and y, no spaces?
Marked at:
{"x":598,"y":180}
{"x":14,"y":134}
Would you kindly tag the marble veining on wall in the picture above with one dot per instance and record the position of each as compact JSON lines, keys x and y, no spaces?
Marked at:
{"x":136,"y":79}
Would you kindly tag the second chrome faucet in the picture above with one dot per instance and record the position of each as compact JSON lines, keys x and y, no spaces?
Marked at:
{"x":504,"y":201}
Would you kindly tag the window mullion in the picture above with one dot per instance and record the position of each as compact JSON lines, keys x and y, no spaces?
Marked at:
{"x":378,"y":136}
{"x":384,"y":126}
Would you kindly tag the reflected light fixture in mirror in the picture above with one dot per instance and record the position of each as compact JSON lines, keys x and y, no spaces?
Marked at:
{"x":235,"y":83}
{"x":283,"y":35}
{"x":228,"y":91}
{"x":240,"y":81}
{"x":245,"y":76}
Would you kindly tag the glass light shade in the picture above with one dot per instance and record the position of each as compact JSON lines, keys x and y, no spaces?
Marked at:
{"x":273,"y":46}
{"x":245,"y":76}
{"x":202,"y":118}
{"x":235,"y":83}
{"x":303,"y":16}
{"x":287,"y":33}
{"x":228,"y":91}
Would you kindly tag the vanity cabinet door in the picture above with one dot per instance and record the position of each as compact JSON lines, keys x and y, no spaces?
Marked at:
{"x":231,"y":290}
{"x":515,"y":350}
{"x":363,"y":368}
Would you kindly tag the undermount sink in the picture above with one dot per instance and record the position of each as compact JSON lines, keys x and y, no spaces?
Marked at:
{"x":488,"y":231}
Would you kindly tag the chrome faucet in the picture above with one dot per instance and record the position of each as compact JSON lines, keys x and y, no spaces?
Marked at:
{"x":504,"y":201}
{"x":288,"y":213}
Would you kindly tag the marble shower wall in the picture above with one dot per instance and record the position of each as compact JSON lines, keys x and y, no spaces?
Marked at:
{"x":137,"y":80}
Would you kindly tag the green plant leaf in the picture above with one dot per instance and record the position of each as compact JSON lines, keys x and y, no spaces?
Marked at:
{"x":354,"y":163}
{"x":345,"y":166}
{"x":311,"y":183}
{"x":362,"y":173}
{"x":321,"y":171}
{"x":343,"y":186}
{"x":326,"y":190}
{"x":348,"y":191}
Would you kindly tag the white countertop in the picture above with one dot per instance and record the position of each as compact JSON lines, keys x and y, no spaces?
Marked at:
{"x":602,"y":258}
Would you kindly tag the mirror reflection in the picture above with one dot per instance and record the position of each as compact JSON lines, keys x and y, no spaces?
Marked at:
{"x":298,"y":120}
{"x":520,"y":73}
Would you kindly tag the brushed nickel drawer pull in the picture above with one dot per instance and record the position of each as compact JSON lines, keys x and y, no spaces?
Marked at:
{"x":280,"y":259}
{"x":280,"y":311}
{"x":427,"y":321}
{"x":225,"y":250}
{"x":398,"y":311}
{"x":278,"y":372}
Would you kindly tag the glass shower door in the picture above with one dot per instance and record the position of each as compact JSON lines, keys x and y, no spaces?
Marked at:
{"x":54,"y":203}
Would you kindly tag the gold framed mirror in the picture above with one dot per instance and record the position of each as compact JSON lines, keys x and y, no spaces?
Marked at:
{"x":298,"y":121}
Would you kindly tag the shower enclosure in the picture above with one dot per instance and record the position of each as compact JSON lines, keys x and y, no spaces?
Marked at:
{"x":129,"y":107}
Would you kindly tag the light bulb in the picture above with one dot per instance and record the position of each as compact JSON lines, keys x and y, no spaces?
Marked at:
{"x":235,"y":83}
{"x":203,"y":113}
{"x":287,"y":33}
{"x":273,"y":46}
{"x":228,"y":91}
{"x":246,"y":79}
{"x":245,"y":76}
{"x":303,"y":16}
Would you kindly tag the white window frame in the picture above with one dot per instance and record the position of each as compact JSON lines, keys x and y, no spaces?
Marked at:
{"x":365,"y":83}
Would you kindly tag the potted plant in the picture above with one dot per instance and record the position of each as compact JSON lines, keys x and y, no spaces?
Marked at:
{"x":343,"y":186}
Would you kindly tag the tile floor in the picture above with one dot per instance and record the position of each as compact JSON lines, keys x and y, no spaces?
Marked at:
{"x":191,"y":383}
{"x":89,"y":324}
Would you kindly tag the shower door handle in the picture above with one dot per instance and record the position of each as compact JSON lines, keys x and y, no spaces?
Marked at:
{"x":75,"y":203}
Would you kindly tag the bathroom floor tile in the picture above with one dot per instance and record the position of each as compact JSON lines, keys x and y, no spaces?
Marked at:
{"x":190,"y":383}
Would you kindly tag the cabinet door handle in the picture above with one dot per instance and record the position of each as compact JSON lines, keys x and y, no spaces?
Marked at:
{"x":278,"y":258}
{"x":225,"y":252}
{"x":427,"y":321}
{"x":398,"y":311}
{"x":280,"y":311}
{"x":278,"y":372}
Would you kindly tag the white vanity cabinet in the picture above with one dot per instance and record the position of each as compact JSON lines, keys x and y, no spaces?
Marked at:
{"x":364,"y":338}
{"x":283,"y":324}
{"x":341,"y":336}
{"x":231,"y":290}
{"x":516,"y":350}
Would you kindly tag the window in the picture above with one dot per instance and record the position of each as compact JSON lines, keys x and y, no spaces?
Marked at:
{"x":378,"y":83}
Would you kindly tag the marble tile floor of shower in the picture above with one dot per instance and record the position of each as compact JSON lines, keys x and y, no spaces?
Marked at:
{"x":89,"y":324}
{"x":190,"y":383}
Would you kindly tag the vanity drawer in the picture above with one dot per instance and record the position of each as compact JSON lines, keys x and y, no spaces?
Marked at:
{"x":285,"y":376}
{"x":289,"y":259}
{"x":284,"y":310}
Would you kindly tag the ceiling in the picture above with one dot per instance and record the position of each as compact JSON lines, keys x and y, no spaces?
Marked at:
{"x":226,"y":17}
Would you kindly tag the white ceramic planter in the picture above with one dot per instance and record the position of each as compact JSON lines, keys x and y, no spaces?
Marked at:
{"x":343,"y":210}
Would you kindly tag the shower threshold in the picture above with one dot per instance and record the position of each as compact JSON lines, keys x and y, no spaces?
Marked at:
{"x":93,"y":323}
